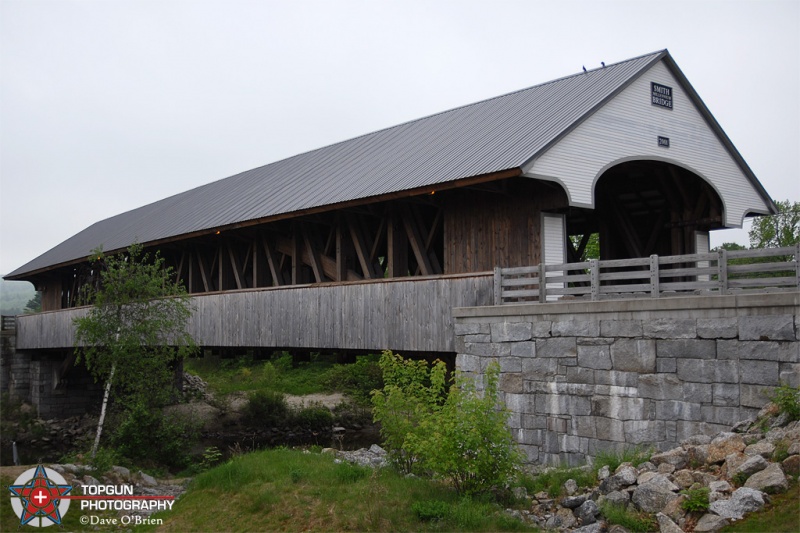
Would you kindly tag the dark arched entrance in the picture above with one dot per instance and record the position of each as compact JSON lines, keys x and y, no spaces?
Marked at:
{"x":646,"y":207}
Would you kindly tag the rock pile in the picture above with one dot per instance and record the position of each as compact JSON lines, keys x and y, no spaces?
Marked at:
{"x":373,"y":457}
{"x":738,"y":469}
{"x":195,"y":388}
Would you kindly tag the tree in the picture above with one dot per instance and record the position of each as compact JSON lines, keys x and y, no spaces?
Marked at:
{"x":135,"y":331}
{"x":34,"y":305}
{"x":779,"y":230}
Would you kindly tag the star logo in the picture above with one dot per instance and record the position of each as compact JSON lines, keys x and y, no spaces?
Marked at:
{"x":37,"y":493}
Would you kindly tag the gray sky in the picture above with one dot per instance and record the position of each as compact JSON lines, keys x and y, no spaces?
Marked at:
{"x":109,"y":105}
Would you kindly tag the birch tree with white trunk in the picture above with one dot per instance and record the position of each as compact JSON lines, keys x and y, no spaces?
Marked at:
{"x":135,"y":332}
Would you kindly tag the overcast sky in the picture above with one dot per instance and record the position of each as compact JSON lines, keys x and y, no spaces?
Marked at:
{"x":109,"y":105}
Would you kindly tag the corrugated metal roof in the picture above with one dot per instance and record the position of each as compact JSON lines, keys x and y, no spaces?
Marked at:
{"x":481,"y":138}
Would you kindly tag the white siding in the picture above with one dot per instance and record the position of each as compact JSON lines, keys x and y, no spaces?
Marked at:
{"x":554,"y":249}
{"x":702,"y":246}
{"x":628,"y":127}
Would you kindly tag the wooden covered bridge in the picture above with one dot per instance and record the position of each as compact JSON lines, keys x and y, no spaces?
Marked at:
{"x":370,"y":243}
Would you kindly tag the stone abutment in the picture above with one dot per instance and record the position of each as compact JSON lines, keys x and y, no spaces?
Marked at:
{"x":584,"y":377}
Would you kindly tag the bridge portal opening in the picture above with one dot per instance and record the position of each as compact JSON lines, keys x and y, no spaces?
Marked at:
{"x":642,"y":208}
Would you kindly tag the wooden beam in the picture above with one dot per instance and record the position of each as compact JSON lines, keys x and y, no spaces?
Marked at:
{"x":237,"y":275}
{"x":397,"y":247}
{"x":202,"y":268}
{"x":312,"y":255}
{"x":417,"y":244}
{"x":274,"y":267}
{"x":362,"y":251}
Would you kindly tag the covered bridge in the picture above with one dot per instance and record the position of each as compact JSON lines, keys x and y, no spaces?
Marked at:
{"x":371,"y":242}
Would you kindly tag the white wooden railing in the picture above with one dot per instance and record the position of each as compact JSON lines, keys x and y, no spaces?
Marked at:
{"x":722,"y":272}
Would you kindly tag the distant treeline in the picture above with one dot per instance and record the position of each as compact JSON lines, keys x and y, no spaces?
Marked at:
{"x":14,"y":296}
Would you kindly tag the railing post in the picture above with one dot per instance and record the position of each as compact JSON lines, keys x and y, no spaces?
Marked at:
{"x":654,"y":288}
{"x":594,"y":276}
{"x":498,"y":286}
{"x":722,"y":267}
{"x":797,"y":263}
{"x":542,"y":283}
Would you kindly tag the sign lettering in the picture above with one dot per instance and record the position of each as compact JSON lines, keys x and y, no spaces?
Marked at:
{"x":663,"y":141}
{"x":660,"y":95}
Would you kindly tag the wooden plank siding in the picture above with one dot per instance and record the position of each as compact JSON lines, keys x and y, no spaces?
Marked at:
{"x":399,"y":314}
{"x":490,"y":228}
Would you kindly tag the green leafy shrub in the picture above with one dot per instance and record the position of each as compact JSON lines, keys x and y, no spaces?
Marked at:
{"x":739,"y":479}
{"x":314,"y":418}
{"x":266,"y":408}
{"x":411,"y":392}
{"x":467,"y":440}
{"x":788,"y":400}
{"x":357,"y":379}
{"x":146,"y":435}
{"x":430,"y":510}
{"x":696,"y":500}
{"x":460,"y":435}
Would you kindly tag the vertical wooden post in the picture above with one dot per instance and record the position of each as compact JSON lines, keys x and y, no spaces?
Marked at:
{"x":542,"y":283}
{"x":594,"y":266}
{"x":797,"y":264}
{"x":654,"y":286}
{"x":397,"y":247}
{"x":498,"y":287}
{"x":296,"y":258}
{"x":722,"y":269}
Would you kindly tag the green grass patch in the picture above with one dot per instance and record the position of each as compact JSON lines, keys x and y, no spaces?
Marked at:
{"x":282,"y":489}
{"x":552,"y":481}
{"x":245,"y":373}
{"x":631,"y":520}
{"x":322,"y":374}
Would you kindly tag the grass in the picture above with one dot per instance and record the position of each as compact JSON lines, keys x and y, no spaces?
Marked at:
{"x":244,"y":374}
{"x":629,"y":519}
{"x":281,"y":489}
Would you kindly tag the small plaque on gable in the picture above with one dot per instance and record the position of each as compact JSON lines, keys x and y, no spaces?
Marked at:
{"x":660,"y":95}
{"x":663,"y":141}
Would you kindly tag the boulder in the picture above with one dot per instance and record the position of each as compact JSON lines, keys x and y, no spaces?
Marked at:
{"x":764,"y":448}
{"x":573,"y":502}
{"x":652,"y":497}
{"x":146,"y":479}
{"x":710,"y":523}
{"x":666,"y":525}
{"x":743,"y":500}
{"x":677,"y":457}
{"x":791,"y":465}
{"x":617,"y":497}
{"x":562,"y":519}
{"x":587,"y":512}
{"x":683,"y":479}
{"x":753,"y":464}
{"x":770,"y":480}
{"x":723,"y":445}
{"x":570,"y":487}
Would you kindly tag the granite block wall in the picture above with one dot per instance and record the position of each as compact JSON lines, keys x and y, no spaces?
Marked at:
{"x":580,"y":378}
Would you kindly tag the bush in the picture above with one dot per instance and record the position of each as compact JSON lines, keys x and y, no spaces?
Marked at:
{"x":459,"y":435}
{"x":148,"y":435}
{"x":411,"y":393}
{"x":468,"y":441}
{"x":788,"y":400}
{"x":430,"y":510}
{"x":314,"y":418}
{"x":357,"y":379}
{"x":266,"y":408}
